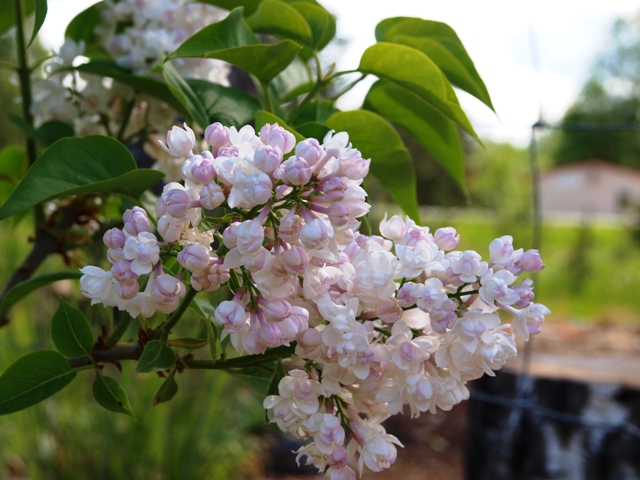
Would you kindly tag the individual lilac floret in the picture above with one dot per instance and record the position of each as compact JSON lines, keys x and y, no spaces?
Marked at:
{"x":180,"y":143}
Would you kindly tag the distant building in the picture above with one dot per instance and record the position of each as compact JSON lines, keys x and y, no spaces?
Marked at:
{"x":590,"y":188}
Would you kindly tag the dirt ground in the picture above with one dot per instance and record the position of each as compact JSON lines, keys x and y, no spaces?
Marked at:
{"x":435,"y":444}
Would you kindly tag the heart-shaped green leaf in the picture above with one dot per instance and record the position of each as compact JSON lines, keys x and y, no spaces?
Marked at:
{"x":275,"y":17}
{"x":155,"y":357}
{"x":390,"y":161}
{"x":110,"y":395}
{"x":13,"y":166}
{"x":321,"y":22}
{"x":167,"y":391}
{"x":22,"y":289}
{"x":32,"y":379}
{"x":226,"y":105}
{"x":182,"y":91}
{"x":74,"y":166}
{"x":70,"y":331}
{"x":441,"y":44}
{"x":414,"y":71}
{"x":233,"y":41}
{"x":82,"y":27}
{"x":438,"y":134}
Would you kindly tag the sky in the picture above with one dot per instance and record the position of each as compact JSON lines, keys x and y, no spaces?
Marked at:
{"x":533,"y":56}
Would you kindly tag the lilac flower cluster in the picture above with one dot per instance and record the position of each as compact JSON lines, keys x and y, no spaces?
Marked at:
{"x":379,"y":322}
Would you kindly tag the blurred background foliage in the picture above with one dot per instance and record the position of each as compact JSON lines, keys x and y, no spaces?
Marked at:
{"x":592,"y":276}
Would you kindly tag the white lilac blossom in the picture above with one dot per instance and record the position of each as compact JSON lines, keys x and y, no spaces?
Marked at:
{"x":137,"y":35}
{"x":378,"y":323}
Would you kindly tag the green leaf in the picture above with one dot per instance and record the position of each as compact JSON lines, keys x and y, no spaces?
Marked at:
{"x":13,"y":166}
{"x":167,"y":391}
{"x":226,"y":105}
{"x":82,"y":26}
{"x":297,"y":91}
{"x":316,"y":112}
{"x":191,"y":343}
{"x":70,"y":331}
{"x":313,"y":130}
{"x":250,"y":6}
{"x":8,"y":17}
{"x":213,"y":336}
{"x":22,"y":289}
{"x":52,"y":131}
{"x":185,"y":95}
{"x":41,"y":14}
{"x":155,"y":357}
{"x":202,"y":307}
{"x":278,"y":374}
{"x":233,"y":41}
{"x":110,"y":395}
{"x":146,"y":85}
{"x":390,"y":161}
{"x":441,"y":44}
{"x":414,"y":71}
{"x":32,"y":379}
{"x":74,"y":166}
{"x":438,"y":135}
{"x":321,"y":22}
{"x":277,"y":18}
{"x":256,"y":378}
{"x":262,"y":118}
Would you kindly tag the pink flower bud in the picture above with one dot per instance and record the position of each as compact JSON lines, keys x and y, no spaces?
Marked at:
{"x":115,"y":254}
{"x":295,"y":260}
{"x":135,"y":221}
{"x":310,"y":150}
{"x":176,"y":202}
{"x":216,"y":135}
{"x":334,"y":188}
{"x":316,"y":234}
{"x":127,"y":290}
{"x":231,"y":315}
{"x":296,"y":171}
{"x":446,"y":238}
{"x":218,"y":275}
{"x":258,"y":260}
{"x":269,"y":335}
{"x":354,"y":167}
{"x":250,"y":235}
{"x":167,"y":291}
{"x":229,"y":152}
{"x":169,"y":231}
{"x":409,"y":294}
{"x":444,"y":317}
{"x":211,"y":196}
{"x":525,"y":292}
{"x":338,"y":458}
{"x":203,"y":173}
{"x":230,"y":235}
{"x":180,"y":143}
{"x":277,"y":310}
{"x":289,"y":229}
{"x":121,"y":271}
{"x":531,"y":261}
{"x":276,"y":136}
{"x":194,"y":257}
{"x":389,"y":310}
{"x":267,"y":158}
{"x":257,"y":189}
{"x":114,"y":238}
{"x":339,"y":214}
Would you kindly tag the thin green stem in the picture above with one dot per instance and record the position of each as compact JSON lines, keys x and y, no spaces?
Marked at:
{"x":340,"y":74}
{"x":120,"y":329}
{"x":386,"y":333}
{"x":239,"y":362}
{"x":175,"y":317}
{"x":349,"y":87}
{"x":268,"y":104}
